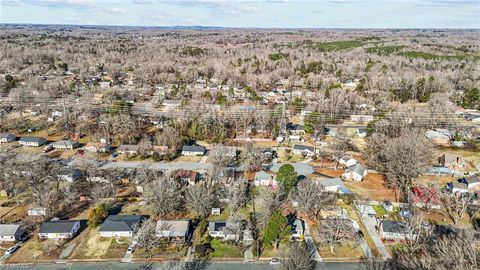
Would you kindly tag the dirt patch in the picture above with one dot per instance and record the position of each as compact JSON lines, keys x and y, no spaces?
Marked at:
{"x":373,"y":188}
{"x":91,"y":245}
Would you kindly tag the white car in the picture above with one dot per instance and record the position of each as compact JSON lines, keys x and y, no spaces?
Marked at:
{"x":274,"y":261}
{"x":11,"y":250}
{"x":130,"y":249}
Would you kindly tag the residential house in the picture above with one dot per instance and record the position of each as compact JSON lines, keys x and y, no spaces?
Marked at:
{"x":457,"y":187}
{"x":174,"y":230}
{"x":226,"y":230}
{"x":297,"y":227}
{"x":263,"y":178}
{"x":333,"y":212}
{"x":12,"y":233}
{"x":98,"y":147}
{"x":472,"y":182}
{"x":439,"y":171}
{"x":65,"y":144}
{"x":187,"y":177}
{"x":7,"y":137}
{"x":438,"y":136}
{"x":32,"y":141}
{"x":193,"y":150}
{"x":296,"y":129}
{"x":452,"y":162}
{"x":61,"y":229}
{"x":331,"y":184}
{"x":361,"y":132}
{"x":305,"y":150}
{"x":120,"y":225}
{"x":69,"y":175}
{"x":347,"y":161}
{"x":128,"y":149}
{"x":393,"y":230}
{"x":37,"y":211}
{"x":388,"y":206}
{"x":355,"y":173}
{"x":361,"y":118}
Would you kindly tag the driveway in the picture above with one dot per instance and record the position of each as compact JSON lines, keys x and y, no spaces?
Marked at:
{"x":311,"y":244}
{"x":370,"y":223}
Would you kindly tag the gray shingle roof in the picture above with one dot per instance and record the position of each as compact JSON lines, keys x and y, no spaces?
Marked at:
{"x":393,"y":226}
{"x":128,"y":147}
{"x":173,"y":228}
{"x":193,"y":148}
{"x":331,"y":182}
{"x":358,"y":168}
{"x":120,"y":223}
{"x":8,"y":229}
{"x":33,"y":139}
{"x":7,"y":136}
{"x":61,"y":226}
{"x":303,"y":147}
{"x":65,"y":143}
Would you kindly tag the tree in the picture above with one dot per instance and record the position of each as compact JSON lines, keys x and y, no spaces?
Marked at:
{"x":277,"y":229}
{"x":311,"y":197}
{"x":471,"y":98}
{"x":98,"y":214}
{"x":287,"y":176}
{"x":147,"y":235}
{"x":455,"y":205}
{"x":298,"y":258}
{"x":333,"y":231}
{"x":200,"y":199}
{"x":341,"y":145}
{"x":405,"y":158}
{"x":162,"y":194}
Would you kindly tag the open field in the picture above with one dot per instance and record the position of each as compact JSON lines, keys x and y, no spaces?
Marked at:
{"x":372,"y":188}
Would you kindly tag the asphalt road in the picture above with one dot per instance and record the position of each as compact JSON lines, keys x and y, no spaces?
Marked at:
{"x":213,"y":266}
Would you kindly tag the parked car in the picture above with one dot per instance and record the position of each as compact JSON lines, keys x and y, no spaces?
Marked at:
{"x":275,"y":261}
{"x":130,"y":249}
{"x":47,"y":148}
{"x":11,"y":250}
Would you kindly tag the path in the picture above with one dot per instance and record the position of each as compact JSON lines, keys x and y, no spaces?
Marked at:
{"x":204,"y":159}
{"x":67,"y":251}
{"x":248,"y":254}
{"x":366,"y":249}
{"x":311,"y":244}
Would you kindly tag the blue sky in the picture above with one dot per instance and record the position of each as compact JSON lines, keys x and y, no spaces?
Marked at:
{"x":248,"y":13}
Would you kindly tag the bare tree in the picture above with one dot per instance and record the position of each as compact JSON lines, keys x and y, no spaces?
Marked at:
{"x":200,"y":199}
{"x":333,"y":231}
{"x":162,"y":194}
{"x":455,"y":206}
{"x":147,"y":235}
{"x":299,"y":257}
{"x":311,"y":197}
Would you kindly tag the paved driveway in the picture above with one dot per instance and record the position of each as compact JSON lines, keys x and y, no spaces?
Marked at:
{"x":370,"y":223}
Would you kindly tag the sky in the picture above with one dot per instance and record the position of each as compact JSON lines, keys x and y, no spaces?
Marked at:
{"x":248,"y":13}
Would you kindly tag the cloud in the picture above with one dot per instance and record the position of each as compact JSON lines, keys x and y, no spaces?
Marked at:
{"x":144,"y":2}
{"x":76,"y":4}
{"x":11,"y":2}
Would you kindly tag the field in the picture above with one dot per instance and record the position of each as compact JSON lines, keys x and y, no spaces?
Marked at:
{"x":373,"y":188}
{"x":193,"y":159}
{"x":344,"y":249}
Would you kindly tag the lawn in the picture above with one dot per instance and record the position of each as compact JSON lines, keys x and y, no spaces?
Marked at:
{"x":189,"y":159}
{"x":344,"y":249}
{"x":379,"y":210}
{"x":223,"y":215}
{"x":171,"y":251}
{"x":36,"y":249}
{"x":353,"y":215}
{"x":225,"y":250}
{"x":90,"y":246}
{"x":117,"y":248}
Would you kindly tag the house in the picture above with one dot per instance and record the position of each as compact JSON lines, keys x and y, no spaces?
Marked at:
{"x":296,"y":129}
{"x":438,"y":136}
{"x":32,"y":141}
{"x":69,"y":175}
{"x":230,"y":151}
{"x":452,"y":162}
{"x":457,"y":187}
{"x":187,"y":177}
{"x":65,"y":144}
{"x":98,"y":147}
{"x":297,"y":227}
{"x":226,"y":230}
{"x":361,"y":132}
{"x":393,"y":230}
{"x":439,"y":171}
{"x":193,"y":150}
{"x":472,"y":182}
{"x":347,"y":161}
{"x":12,"y":233}
{"x":361,"y":118}
{"x":334,"y":212}
{"x":355,"y":173}
{"x":331,"y":184}
{"x":305,"y":150}
{"x":37,"y":211}
{"x":7,"y":137}
{"x":263,"y":178}
{"x":388,"y":206}
{"x":61,"y":229}
{"x":120,"y":225}
{"x":174,"y":230}
{"x":459,"y":144}
{"x":216,"y":211}
{"x":128,"y":149}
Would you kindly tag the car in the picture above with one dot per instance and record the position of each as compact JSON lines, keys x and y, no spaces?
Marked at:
{"x":11,"y":250}
{"x":47,"y":148}
{"x":274,"y":261}
{"x":130,"y":249}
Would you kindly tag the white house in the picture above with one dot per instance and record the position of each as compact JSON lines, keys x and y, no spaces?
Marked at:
{"x":37,"y":211}
{"x":128,"y":149}
{"x":7,"y":137}
{"x":306,"y":150}
{"x":388,"y":206}
{"x":355,"y":173}
{"x":457,"y":187}
{"x":120,"y":226}
{"x":347,"y":161}
{"x":263,"y":178}
{"x":65,"y":144}
{"x":331,"y":184}
{"x":32,"y":141}
{"x":193,"y":150}
{"x":225,"y":230}
{"x":11,"y":233}
{"x":62,"y":229}
{"x":98,"y":147}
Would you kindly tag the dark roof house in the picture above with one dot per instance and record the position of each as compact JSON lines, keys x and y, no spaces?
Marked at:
{"x":119,"y":223}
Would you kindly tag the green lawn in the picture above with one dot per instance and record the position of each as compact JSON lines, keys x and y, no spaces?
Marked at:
{"x":379,"y":210}
{"x":225,"y":250}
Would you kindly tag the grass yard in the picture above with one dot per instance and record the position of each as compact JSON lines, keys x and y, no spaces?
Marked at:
{"x":170,"y":252}
{"x":90,"y":245}
{"x":225,"y":250}
{"x":373,"y":188}
{"x":344,"y":249}
{"x":189,"y":159}
{"x":134,"y":208}
{"x":117,"y":248}
{"x":36,"y":249}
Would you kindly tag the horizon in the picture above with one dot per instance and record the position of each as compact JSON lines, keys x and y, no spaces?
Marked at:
{"x":253,"y":14}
